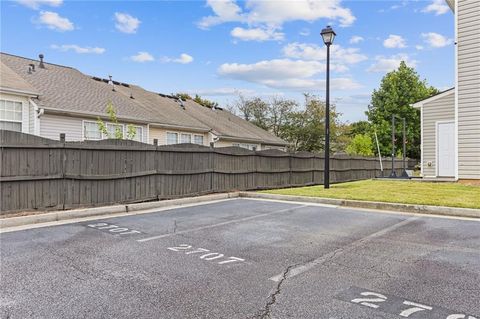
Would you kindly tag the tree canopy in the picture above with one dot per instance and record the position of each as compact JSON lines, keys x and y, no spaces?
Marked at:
{"x":302,"y":126}
{"x":398,"y":90}
{"x":361,"y":145}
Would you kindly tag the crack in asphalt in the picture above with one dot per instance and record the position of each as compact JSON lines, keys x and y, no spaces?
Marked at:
{"x":272,"y":298}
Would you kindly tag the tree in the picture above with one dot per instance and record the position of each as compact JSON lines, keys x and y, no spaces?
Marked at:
{"x":360,"y":127}
{"x":118,"y":132}
{"x":279,"y":109}
{"x":361,"y":145}
{"x":205,"y":102}
{"x":183,"y":96}
{"x":398,"y":90}
{"x":305,"y":129}
{"x":254,"y":110}
{"x":198,"y":99}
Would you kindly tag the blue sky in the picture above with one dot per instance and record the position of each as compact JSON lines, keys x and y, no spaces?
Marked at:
{"x":222,"y":48}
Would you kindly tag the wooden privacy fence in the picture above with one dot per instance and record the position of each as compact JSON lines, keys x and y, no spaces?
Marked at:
{"x":42,"y":174}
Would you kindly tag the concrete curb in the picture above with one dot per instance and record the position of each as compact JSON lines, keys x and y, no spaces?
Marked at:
{"x":405,"y":208}
{"x":107,"y":210}
{"x":129,"y":208}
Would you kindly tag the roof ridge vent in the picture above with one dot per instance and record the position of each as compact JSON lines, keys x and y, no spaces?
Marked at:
{"x":41,"y":65}
{"x":31,"y":68}
{"x":179,"y":101}
{"x":110,"y":82}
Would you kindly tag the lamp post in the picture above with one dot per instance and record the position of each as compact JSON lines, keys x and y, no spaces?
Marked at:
{"x":327,"y":35}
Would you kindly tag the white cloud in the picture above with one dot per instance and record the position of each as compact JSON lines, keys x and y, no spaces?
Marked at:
{"x":142,"y":56}
{"x":394,"y":41}
{"x":284,"y":74}
{"x":54,"y":21}
{"x":436,"y":40}
{"x":356,"y":39}
{"x":256,"y":34}
{"x":304,"y":32}
{"x":224,"y":10}
{"x":77,"y":48}
{"x":126,"y":23}
{"x":271,"y":15}
{"x":35,"y":4}
{"x":182,"y":59}
{"x":387,"y":64}
{"x":437,"y":6}
{"x":419,"y":47}
{"x":339,"y":54}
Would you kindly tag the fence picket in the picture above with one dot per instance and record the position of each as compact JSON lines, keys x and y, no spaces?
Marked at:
{"x":42,"y":174}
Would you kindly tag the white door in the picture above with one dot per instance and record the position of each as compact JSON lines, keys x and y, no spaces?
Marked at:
{"x":446,"y":149}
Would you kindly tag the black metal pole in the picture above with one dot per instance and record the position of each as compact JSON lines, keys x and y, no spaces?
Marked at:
{"x":393,"y":174}
{"x":404,"y":145}
{"x":326,"y":170}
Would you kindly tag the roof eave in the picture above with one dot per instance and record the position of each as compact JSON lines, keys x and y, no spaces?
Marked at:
{"x":253,"y":140}
{"x":451,"y":4}
{"x":432,"y":98}
{"x":19,"y":92}
{"x":181,"y":127}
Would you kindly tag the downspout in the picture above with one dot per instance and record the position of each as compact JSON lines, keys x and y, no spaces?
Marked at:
{"x":36,"y":117}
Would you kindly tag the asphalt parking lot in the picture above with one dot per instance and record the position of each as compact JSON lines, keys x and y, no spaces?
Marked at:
{"x":245,"y":258}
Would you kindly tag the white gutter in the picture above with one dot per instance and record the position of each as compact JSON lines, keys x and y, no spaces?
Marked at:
{"x":19,"y":92}
{"x":36,"y":117}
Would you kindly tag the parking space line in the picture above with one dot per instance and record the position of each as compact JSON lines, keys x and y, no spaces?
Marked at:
{"x":221,"y":224}
{"x":305,"y":267}
{"x":167,"y":209}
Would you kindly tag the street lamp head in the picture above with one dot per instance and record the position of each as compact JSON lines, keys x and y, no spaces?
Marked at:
{"x":328,"y":35}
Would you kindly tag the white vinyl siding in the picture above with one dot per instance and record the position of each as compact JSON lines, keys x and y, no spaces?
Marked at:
{"x":442,"y":109}
{"x":52,"y":125}
{"x":468,"y":89}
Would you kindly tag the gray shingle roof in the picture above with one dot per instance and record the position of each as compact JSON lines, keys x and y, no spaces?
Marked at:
{"x":67,"y":89}
{"x":11,"y":81}
{"x":228,"y":125}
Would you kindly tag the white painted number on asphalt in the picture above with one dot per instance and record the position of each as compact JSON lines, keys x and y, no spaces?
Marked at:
{"x":398,"y":306}
{"x":205,"y":254}
{"x":370,"y":302}
{"x":114,"y":229}
{"x":416,"y":308}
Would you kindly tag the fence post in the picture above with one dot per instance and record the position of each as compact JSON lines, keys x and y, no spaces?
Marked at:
{"x":212,"y":164}
{"x":313,"y":169}
{"x":63,"y":164}
{"x":255,"y":179}
{"x":157,"y":174}
{"x":290,"y":169}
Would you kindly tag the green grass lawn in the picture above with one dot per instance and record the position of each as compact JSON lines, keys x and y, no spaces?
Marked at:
{"x":407,"y":192}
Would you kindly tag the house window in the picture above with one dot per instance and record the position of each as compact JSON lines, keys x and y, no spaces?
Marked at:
{"x":112,"y":130}
{"x":172,"y":138}
{"x":245,"y":145}
{"x":186,"y":138}
{"x":138,"y":133}
{"x":11,"y":115}
{"x":198,"y":139}
{"x":91,"y":131}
